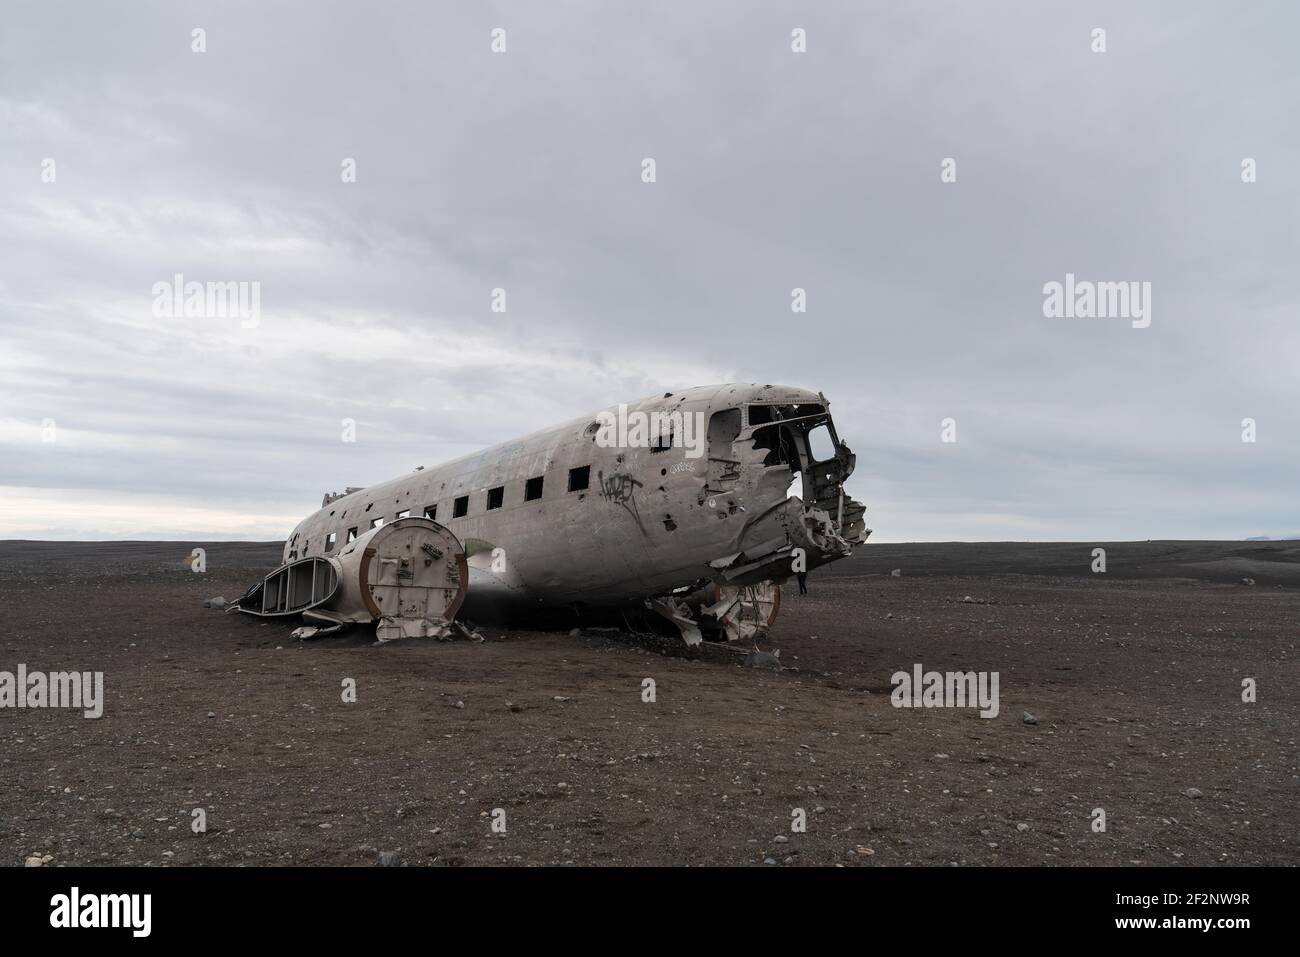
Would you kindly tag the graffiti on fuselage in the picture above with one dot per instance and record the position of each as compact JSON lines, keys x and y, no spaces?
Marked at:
{"x":620,"y":488}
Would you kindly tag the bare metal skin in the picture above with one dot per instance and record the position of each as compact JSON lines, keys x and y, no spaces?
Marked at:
{"x":648,"y":524}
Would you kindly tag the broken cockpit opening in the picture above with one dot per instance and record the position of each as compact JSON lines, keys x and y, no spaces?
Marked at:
{"x":802,"y":437}
{"x":784,"y":433}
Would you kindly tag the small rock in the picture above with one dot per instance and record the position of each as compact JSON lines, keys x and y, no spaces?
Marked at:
{"x":575,"y":633}
{"x":863,"y":851}
{"x":896,"y":573}
{"x":781,"y":839}
{"x":34,"y":861}
{"x":220,"y":603}
{"x":459,"y":704}
{"x":1193,"y":793}
{"x":769,"y":860}
{"x":1029,"y":719}
{"x":389,"y":859}
{"x":761,"y":659}
{"x":1022,"y":827}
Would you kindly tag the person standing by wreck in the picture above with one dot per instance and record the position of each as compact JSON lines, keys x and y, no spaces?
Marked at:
{"x":803,"y":582}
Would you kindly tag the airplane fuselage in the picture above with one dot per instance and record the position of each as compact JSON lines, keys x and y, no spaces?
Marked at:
{"x":594,"y":514}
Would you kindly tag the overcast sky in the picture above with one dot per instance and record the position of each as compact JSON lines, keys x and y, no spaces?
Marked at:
{"x":774,"y":170}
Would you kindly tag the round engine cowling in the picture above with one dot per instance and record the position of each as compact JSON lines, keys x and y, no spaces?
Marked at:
{"x":410,"y":574}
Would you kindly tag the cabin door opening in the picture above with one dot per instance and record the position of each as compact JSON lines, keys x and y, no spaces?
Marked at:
{"x":724,"y":466}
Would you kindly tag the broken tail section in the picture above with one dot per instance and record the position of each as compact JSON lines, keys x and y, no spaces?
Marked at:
{"x":409,"y":576}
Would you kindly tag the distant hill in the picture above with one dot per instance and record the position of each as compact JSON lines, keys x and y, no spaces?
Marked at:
{"x":1274,"y":538}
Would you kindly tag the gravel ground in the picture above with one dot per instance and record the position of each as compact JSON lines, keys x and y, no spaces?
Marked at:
{"x":1134,"y":679}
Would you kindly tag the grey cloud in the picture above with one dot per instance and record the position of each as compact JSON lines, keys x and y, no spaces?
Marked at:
{"x":775,"y":170}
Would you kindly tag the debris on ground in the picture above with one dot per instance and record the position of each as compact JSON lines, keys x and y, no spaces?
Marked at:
{"x":761,"y":659}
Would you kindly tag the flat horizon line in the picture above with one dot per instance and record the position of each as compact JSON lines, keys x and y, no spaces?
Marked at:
{"x":927,"y":541}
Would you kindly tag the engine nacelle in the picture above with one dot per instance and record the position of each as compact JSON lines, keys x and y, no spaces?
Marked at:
{"x":410,"y":575}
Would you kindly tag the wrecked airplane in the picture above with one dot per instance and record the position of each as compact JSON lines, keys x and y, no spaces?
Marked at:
{"x":683,"y":505}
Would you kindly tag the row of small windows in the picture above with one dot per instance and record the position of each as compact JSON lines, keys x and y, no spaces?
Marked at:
{"x":579,"y":481}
